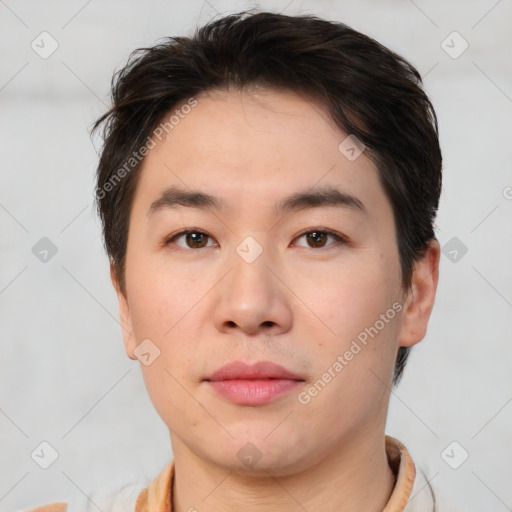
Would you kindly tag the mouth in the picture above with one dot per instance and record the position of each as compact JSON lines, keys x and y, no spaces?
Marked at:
{"x":263,"y":370}
{"x":255,"y":384}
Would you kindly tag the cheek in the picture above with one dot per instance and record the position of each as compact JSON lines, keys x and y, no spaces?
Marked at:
{"x":353,"y":363}
{"x":160,"y":299}
{"x":166,"y":308}
{"x":349,"y":324}
{"x":162,"y":312}
{"x":346,"y":299}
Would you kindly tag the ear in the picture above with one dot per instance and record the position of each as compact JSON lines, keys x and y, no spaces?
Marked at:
{"x":124,"y":313}
{"x":419,"y":300}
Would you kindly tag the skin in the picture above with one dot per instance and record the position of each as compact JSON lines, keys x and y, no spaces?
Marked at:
{"x":298,"y":304}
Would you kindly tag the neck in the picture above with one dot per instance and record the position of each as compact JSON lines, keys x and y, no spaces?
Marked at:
{"x":355,"y":476}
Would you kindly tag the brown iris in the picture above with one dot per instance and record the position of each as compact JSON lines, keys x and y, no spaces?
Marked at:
{"x":196,"y":240}
{"x":316,"y":238}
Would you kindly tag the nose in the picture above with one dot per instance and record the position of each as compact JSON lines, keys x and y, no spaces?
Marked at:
{"x":252,"y":300}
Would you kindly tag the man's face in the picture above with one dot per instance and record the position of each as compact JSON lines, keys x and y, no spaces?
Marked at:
{"x":255,"y":282}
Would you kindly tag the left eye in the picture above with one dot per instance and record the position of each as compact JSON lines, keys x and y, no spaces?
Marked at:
{"x":318,"y":238}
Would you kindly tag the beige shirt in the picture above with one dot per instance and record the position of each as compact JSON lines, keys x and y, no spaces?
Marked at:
{"x":412,"y":492}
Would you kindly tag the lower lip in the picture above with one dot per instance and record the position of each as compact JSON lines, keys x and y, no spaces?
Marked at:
{"x":254,"y":392}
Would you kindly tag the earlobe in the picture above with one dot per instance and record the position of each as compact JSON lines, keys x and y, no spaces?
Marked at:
{"x":124,"y":315}
{"x":420,"y":299}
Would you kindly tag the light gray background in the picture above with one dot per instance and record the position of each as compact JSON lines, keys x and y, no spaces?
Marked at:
{"x":65,"y":376}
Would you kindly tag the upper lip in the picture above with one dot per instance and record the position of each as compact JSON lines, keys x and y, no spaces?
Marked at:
{"x":260,"y":370}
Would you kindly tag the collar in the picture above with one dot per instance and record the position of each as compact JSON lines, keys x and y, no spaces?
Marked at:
{"x":412,"y":492}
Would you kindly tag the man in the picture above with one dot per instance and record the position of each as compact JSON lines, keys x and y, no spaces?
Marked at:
{"x":267,"y":190}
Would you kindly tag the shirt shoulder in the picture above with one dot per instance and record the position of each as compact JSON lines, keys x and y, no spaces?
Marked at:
{"x":50,"y":507}
{"x":116,"y":497}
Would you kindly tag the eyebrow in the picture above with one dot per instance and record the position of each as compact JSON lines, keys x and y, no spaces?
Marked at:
{"x":319,"y":197}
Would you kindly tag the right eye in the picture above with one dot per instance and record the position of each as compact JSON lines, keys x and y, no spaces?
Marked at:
{"x":189,"y":239}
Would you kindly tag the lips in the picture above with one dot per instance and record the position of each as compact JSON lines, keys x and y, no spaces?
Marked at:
{"x":260,"y":371}
{"x":255,"y":384}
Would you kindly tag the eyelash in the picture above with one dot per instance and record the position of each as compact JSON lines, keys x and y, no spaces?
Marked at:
{"x":339,"y":239}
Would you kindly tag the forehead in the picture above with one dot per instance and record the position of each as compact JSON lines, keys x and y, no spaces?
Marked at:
{"x":264,"y":143}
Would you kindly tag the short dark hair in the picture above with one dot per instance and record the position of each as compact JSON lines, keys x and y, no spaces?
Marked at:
{"x":369,"y":91}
